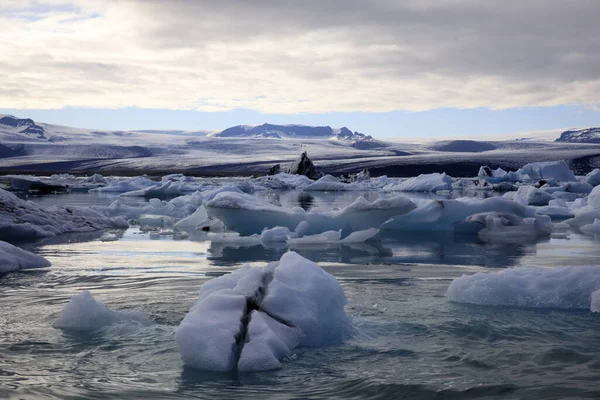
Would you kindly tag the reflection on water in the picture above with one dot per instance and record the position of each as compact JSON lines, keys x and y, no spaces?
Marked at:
{"x":306,"y":201}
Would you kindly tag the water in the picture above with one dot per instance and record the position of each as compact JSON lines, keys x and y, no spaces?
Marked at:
{"x":410,"y":342}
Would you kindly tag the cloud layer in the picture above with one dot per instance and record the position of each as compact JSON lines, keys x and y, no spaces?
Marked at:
{"x":299,"y":56}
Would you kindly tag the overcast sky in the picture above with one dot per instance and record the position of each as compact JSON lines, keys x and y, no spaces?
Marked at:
{"x":460,"y":66}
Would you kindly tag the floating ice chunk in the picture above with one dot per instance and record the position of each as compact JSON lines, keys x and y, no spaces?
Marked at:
{"x":450,"y":215}
{"x":282,"y":181}
{"x":125,"y":185}
{"x":426,"y":183}
{"x":84,"y":313}
{"x":534,"y":196}
{"x":593,"y":178}
{"x":360,"y":236}
{"x":327,"y":183}
{"x":26,"y":220}
{"x":301,"y":229}
{"x":555,"y":212}
{"x":162,"y":190}
{"x":594,"y":197}
{"x":592,"y":229}
{"x":560,"y":287}
{"x":583,"y":216}
{"x":120,"y":223}
{"x":509,"y":228}
{"x":197,"y":220}
{"x":548,"y":170}
{"x":252,"y":318}
{"x":278,"y":234}
{"x":13,"y":258}
{"x":249,"y":215}
{"x":327,"y":237}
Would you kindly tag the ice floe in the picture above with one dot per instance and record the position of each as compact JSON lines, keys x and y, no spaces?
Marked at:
{"x":423,"y":183}
{"x":84,"y":313}
{"x":560,"y":287}
{"x":450,"y":215}
{"x":26,"y":220}
{"x":250,"y":215}
{"x":13,"y":258}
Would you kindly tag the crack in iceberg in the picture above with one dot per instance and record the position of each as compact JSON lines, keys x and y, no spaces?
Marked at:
{"x":252,"y":318}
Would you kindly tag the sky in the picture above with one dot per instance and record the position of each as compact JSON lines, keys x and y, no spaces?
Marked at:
{"x":384,"y":67}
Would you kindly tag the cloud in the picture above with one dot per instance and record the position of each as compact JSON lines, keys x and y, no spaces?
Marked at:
{"x":291,"y":56}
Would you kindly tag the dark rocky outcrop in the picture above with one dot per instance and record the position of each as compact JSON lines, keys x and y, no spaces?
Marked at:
{"x":303,"y":166}
{"x":275,"y":169}
{"x":464,"y":146}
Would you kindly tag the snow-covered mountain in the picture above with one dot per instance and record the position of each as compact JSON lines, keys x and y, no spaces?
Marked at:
{"x":24,"y":126}
{"x":291,"y":132}
{"x":36,"y":147}
{"x":589,"y":135}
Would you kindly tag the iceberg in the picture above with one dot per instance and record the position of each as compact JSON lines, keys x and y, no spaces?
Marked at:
{"x":327,"y":183}
{"x":162,"y":190}
{"x":250,"y":319}
{"x":250,"y":215}
{"x":534,"y":196}
{"x":450,"y":215}
{"x":593,"y":178}
{"x":13,"y":258}
{"x":592,"y":229}
{"x":423,"y":183}
{"x":559,"y":287}
{"x":26,"y":220}
{"x":125,"y":185}
{"x":84,"y":313}
{"x":509,"y":228}
{"x":548,"y":170}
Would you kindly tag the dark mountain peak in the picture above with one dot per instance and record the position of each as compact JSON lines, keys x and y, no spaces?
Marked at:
{"x":14,"y":122}
{"x":30,"y":128}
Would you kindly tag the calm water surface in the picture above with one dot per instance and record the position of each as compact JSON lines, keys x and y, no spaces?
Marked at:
{"x":410,"y":342}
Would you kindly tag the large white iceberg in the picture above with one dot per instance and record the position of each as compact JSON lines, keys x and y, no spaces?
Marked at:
{"x":253,"y":317}
{"x":559,"y":287}
{"x":13,"y":258}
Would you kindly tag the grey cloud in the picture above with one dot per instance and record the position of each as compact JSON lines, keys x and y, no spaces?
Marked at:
{"x":335,"y":55}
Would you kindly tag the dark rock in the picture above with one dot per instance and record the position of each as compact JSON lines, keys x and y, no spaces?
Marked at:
{"x":464,"y":146}
{"x":303,"y":166}
{"x":275,"y":169}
